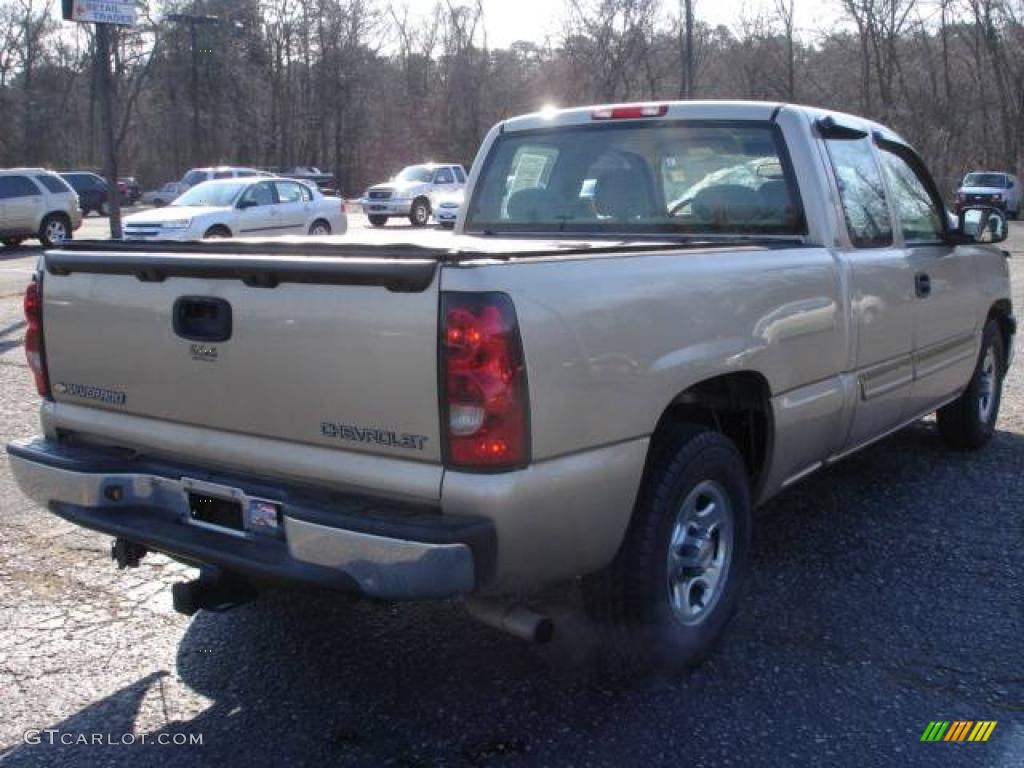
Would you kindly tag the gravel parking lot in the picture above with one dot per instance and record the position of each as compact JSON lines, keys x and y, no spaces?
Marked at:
{"x":886,"y":592}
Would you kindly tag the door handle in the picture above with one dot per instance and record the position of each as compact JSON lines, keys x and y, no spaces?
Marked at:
{"x":922,"y":285}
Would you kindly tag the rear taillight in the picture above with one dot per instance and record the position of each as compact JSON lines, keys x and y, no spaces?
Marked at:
{"x":35,"y":351}
{"x":484,"y":402}
{"x":629,"y":112}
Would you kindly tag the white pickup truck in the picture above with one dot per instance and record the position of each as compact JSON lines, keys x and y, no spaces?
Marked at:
{"x":653,"y":318}
{"x":411,"y":193}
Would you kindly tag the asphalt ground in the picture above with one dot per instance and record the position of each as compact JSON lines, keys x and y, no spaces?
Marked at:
{"x":886,"y":593}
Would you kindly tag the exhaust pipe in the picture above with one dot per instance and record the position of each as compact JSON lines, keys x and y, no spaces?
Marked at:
{"x":513,"y":619}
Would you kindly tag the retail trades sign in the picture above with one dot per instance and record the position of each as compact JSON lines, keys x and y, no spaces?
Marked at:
{"x":100,"y":11}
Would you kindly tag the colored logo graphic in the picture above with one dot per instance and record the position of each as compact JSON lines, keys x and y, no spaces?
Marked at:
{"x":958,"y":730}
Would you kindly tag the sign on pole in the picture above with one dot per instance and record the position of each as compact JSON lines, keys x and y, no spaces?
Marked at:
{"x":100,"y":11}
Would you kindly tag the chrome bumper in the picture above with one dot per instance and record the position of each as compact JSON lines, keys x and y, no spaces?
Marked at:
{"x":388,"y":207}
{"x":150,"y":506}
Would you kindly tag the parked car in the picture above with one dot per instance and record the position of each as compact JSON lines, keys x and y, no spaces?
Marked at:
{"x":129,"y":189}
{"x":445,"y":207}
{"x":36,"y":203}
{"x":995,"y":188}
{"x":241,"y":207}
{"x":199,"y":175}
{"x":92,"y":189}
{"x":409,"y":193}
{"x":572,"y":387}
{"x":165,"y":195}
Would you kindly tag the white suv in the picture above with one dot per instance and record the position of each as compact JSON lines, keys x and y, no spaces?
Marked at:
{"x":36,"y":203}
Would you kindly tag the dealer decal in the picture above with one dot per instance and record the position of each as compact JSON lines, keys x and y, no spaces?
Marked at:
{"x":958,"y":730}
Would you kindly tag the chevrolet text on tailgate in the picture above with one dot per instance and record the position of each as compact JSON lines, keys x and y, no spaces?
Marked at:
{"x":652,"y":319}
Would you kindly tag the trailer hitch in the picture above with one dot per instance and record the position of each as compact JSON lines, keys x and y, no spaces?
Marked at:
{"x":215,"y":590}
{"x":127,"y":554}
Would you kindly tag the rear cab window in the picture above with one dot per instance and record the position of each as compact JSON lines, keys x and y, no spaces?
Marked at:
{"x":640,"y":178}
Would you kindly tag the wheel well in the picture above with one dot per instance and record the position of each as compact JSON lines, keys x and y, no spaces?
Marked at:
{"x":423,"y":198}
{"x":320,"y":220}
{"x":736,"y":404}
{"x":217,"y":228}
{"x":1002,"y":312}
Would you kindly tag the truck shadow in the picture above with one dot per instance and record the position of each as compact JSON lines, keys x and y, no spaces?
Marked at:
{"x":839,"y":614}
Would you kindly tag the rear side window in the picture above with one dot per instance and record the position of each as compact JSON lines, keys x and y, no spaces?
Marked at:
{"x":223,"y":174}
{"x":862,"y":193}
{"x":53,"y":184}
{"x":17,"y":186}
{"x":289,"y":192}
{"x":194,"y":177}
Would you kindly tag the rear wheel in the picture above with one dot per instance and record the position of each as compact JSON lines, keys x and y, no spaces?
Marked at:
{"x":319,"y":227}
{"x":674,"y":583}
{"x":969,"y":421}
{"x":55,"y":229}
{"x":216,"y":232}
{"x":378,"y":221}
{"x":12,"y":242}
{"x":419,"y":215}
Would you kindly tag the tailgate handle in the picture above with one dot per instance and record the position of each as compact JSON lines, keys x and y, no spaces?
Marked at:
{"x":202,"y":318}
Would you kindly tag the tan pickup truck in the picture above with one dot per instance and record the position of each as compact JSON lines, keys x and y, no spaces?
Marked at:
{"x":652,"y":318}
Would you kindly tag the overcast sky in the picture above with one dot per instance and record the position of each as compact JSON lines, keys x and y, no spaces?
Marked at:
{"x":511,"y":20}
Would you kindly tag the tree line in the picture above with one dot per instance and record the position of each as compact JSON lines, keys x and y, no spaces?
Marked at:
{"x":362,"y":87}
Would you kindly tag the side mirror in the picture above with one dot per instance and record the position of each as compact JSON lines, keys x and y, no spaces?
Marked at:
{"x":983,"y":225}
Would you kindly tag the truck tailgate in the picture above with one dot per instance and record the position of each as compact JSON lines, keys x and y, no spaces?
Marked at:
{"x":332,"y":352}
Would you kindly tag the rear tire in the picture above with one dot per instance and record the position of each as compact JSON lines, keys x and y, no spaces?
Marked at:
{"x":319,"y":228}
{"x":968,"y":422}
{"x":674,"y":583}
{"x":419,"y":214}
{"x":12,"y":242}
{"x":54,"y":229}
{"x":378,"y":221}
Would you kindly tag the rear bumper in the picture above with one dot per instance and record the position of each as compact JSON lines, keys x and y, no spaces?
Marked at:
{"x":379,"y":548}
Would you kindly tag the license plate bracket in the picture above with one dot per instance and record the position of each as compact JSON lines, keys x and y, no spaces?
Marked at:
{"x":216,"y":511}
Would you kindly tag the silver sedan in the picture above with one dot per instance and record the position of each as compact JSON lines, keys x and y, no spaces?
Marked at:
{"x":256,"y":207}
